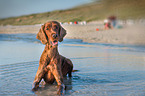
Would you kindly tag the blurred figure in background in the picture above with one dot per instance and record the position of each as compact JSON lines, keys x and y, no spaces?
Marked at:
{"x":107,"y":24}
{"x":110,"y":23}
{"x":112,"y":20}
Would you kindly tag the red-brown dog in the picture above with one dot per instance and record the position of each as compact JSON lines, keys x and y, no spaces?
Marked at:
{"x":52,"y":66}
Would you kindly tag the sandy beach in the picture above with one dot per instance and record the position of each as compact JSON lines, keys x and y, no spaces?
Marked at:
{"x":104,"y":69}
{"x":128,"y":34}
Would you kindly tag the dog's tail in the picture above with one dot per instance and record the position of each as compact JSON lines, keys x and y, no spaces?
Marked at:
{"x":75,"y":70}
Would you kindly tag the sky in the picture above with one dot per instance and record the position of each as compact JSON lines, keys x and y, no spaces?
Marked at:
{"x":12,"y":8}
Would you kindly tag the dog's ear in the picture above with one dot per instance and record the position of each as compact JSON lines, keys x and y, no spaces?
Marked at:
{"x":62,"y":33}
{"x":41,"y":35}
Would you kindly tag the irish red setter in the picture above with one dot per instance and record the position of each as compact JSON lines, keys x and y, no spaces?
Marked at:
{"x":52,"y":66}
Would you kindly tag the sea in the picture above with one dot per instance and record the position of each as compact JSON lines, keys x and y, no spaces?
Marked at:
{"x":103,"y":69}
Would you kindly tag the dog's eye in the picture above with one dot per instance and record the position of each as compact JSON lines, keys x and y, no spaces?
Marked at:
{"x":47,"y":28}
{"x":55,"y":27}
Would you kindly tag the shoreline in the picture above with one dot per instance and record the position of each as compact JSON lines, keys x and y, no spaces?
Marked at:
{"x":133,"y":34}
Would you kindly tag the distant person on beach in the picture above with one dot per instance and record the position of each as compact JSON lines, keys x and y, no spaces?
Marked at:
{"x":110,"y":23}
{"x":112,"y":20}
{"x":107,"y":24}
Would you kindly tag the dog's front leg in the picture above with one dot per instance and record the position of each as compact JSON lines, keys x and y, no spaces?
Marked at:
{"x":55,"y":68}
{"x":39,"y":75}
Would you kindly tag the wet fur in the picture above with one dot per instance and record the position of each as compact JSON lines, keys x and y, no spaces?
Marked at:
{"x":52,"y":66}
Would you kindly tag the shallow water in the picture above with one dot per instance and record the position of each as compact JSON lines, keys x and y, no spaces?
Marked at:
{"x":104,"y":69}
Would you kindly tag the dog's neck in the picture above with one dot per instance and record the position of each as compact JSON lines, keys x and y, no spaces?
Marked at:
{"x":52,"y":51}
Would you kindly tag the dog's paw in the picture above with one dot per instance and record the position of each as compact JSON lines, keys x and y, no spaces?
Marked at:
{"x":35,"y":87}
{"x":61,"y":90}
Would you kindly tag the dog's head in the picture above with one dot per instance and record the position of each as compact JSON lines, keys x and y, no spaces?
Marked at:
{"x":51,"y":32}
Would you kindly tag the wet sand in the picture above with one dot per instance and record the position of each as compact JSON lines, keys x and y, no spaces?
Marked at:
{"x":104,"y":69}
{"x":129,"y":34}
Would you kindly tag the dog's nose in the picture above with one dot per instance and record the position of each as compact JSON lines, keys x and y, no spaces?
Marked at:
{"x":54,"y":35}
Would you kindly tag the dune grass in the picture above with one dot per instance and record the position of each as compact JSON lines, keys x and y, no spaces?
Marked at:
{"x":98,"y":10}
